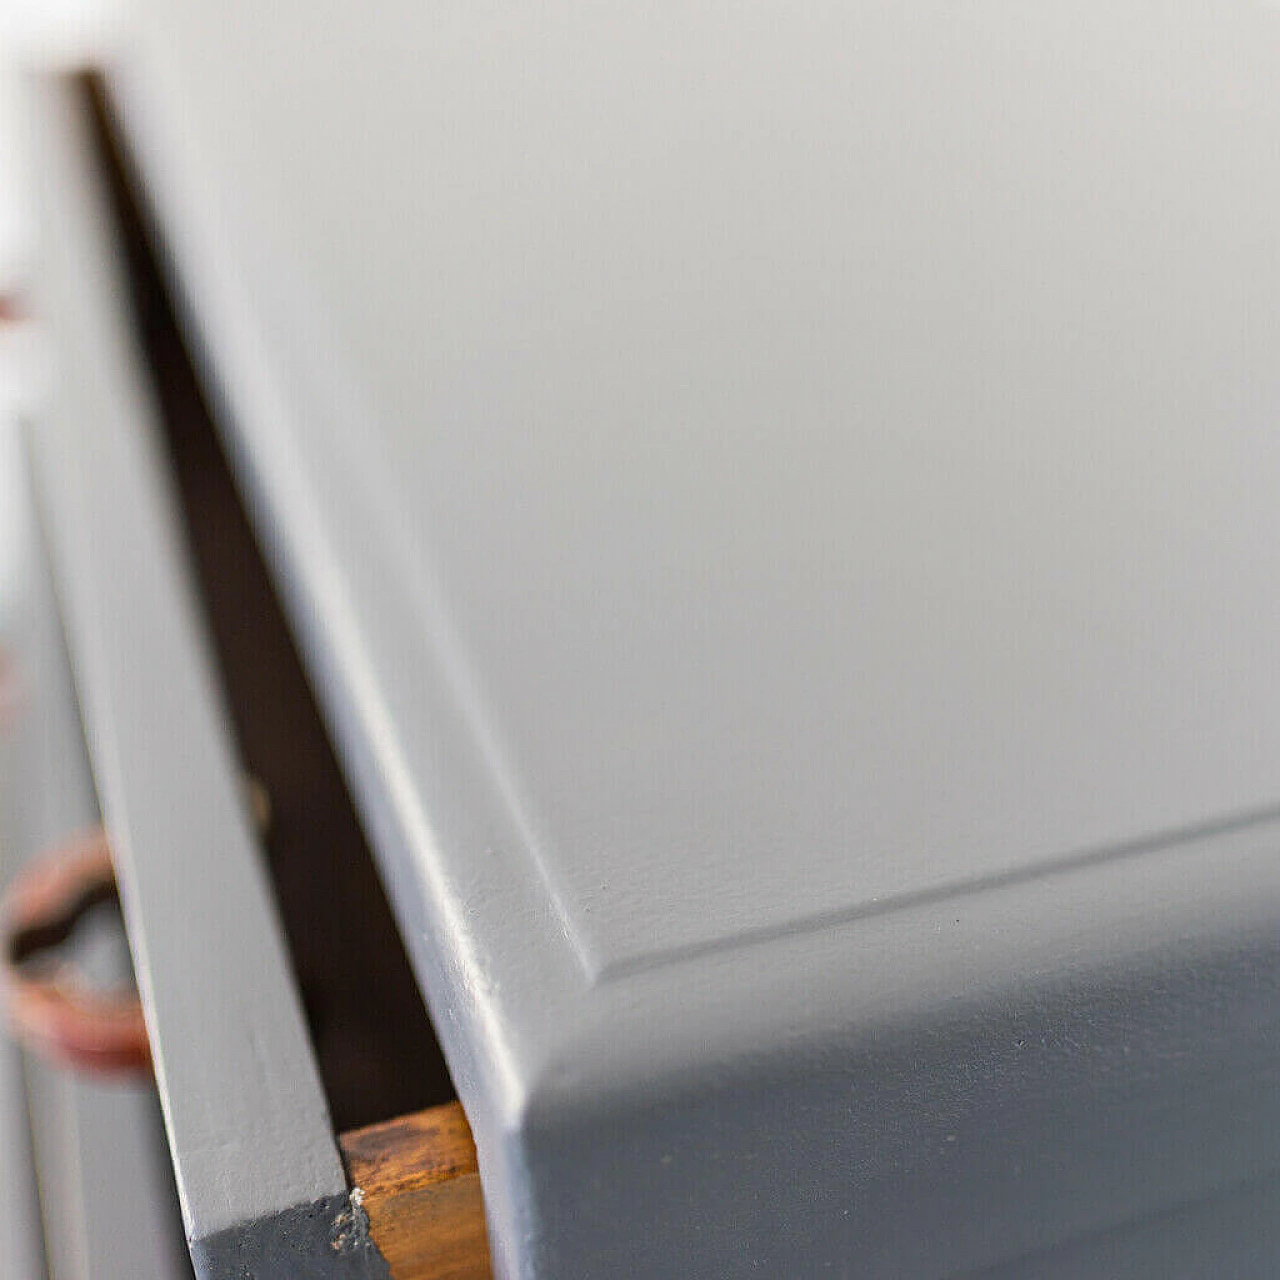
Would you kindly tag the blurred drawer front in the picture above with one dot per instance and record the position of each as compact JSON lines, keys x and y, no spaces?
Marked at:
{"x":259,"y":1178}
{"x":88,"y":1183}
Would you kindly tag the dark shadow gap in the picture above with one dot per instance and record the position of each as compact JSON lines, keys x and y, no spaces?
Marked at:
{"x":376,"y":1050}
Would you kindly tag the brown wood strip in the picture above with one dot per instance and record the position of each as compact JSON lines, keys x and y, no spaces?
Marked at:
{"x":421,"y":1189}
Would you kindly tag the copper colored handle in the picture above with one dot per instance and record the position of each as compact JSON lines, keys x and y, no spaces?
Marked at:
{"x":56,"y":1012}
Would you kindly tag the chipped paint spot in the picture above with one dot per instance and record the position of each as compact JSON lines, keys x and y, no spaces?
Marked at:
{"x":351,"y":1226}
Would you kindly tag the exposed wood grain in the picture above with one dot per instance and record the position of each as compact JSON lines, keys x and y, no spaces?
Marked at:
{"x":421,"y":1190}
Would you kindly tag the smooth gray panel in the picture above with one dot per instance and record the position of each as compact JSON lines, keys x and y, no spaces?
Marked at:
{"x":826,"y":441}
{"x":1232,"y":1236}
{"x":780,"y":506}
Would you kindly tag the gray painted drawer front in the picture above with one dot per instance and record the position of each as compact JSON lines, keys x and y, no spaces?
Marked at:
{"x":261,"y":1187}
{"x":781,"y":507}
{"x":21,"y":1244}
{"x":89,"y":1188}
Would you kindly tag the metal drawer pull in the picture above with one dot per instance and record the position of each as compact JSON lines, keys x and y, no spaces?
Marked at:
{"x":52,"y":1008}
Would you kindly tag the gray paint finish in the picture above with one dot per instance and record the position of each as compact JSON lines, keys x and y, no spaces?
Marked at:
{"x":105,"y":1180}
{"x":251,"y":1141}
{"x":21,"y":1252}
{"x":105,"y":1184}
{"x":1235,"y":1234}
{"x":317,"y":1241}
{"x":21,"y":1246}
{"x":780,"y":508}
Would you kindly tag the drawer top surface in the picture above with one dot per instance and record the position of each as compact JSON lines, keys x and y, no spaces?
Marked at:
{"x":751,"y":472}
{"x":833,"y":450}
